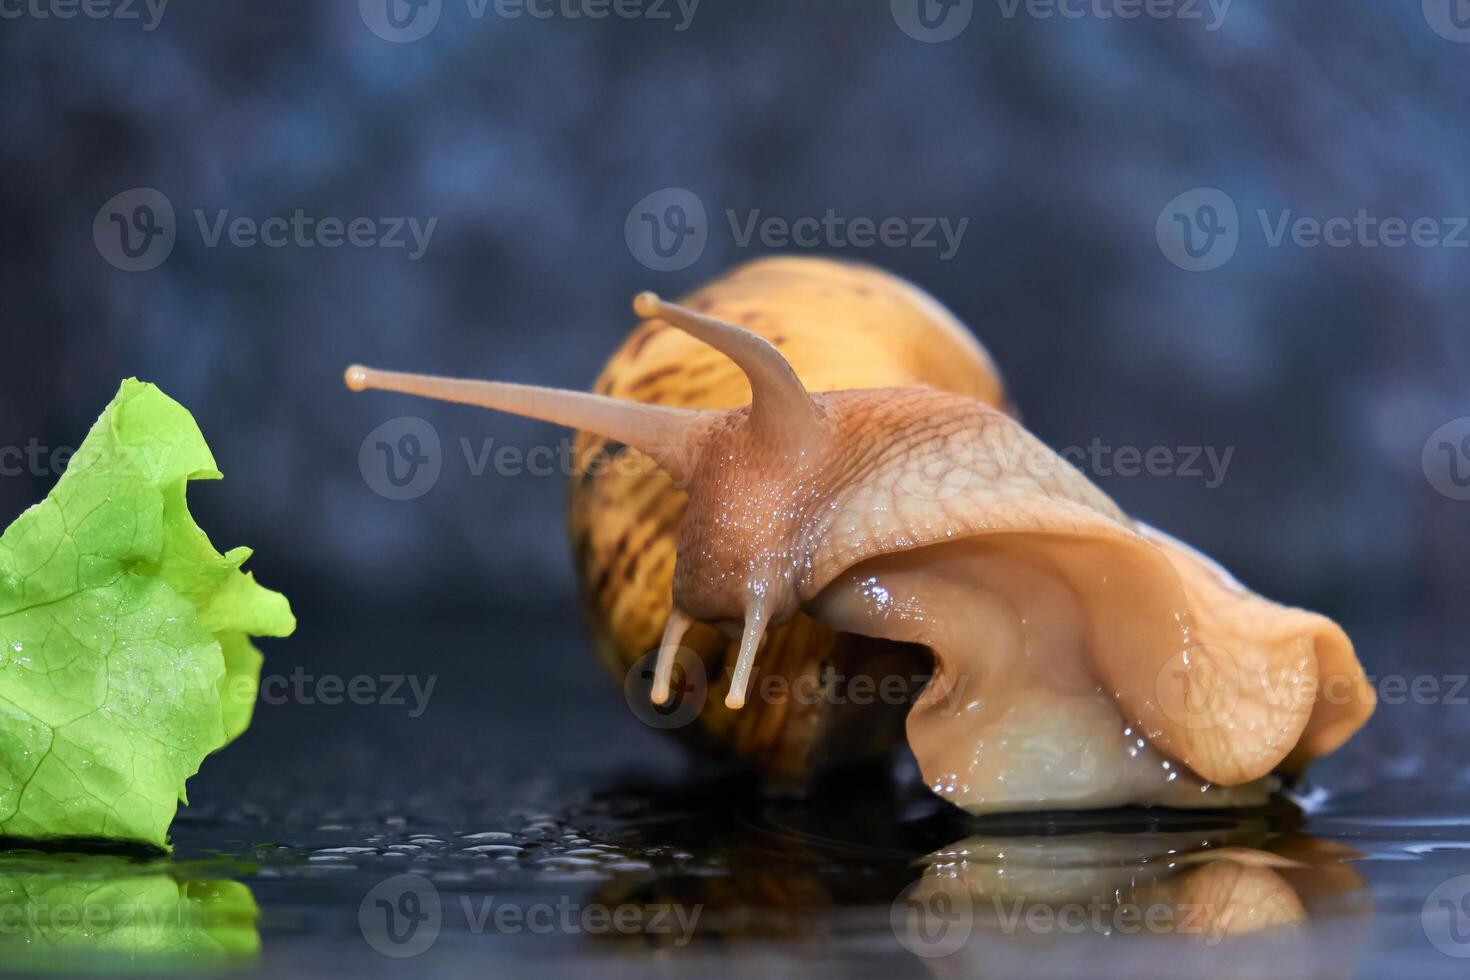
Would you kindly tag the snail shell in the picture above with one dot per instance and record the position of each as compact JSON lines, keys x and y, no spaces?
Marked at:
{"x":840,"y":325}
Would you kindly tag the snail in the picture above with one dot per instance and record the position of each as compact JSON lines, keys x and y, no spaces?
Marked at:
{"x":840,"y":476}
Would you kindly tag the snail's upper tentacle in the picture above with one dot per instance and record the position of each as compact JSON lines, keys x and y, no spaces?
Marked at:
{"x":667,"y":435}
{"x":782,"y":414}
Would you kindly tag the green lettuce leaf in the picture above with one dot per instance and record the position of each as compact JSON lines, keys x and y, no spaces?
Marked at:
{"x":125,"y":653}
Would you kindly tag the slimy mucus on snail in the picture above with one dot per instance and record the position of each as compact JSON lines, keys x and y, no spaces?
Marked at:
{"x":839,"y":476}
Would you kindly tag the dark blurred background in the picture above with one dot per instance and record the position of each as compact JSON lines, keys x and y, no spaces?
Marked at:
{"x":1065,"y":142}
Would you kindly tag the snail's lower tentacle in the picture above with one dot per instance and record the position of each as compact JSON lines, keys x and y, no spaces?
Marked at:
{"x":668,"y":648}
{"x":756,"y":620}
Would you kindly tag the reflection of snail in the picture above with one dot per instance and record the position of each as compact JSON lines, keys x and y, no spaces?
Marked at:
{"x":1204,"y":886}
{"x":813,"y":872}
{"x":1080,"y":659}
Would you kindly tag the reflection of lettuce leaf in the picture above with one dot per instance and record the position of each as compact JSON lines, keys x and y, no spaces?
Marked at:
{"x":63,"y":912}
{"x":125,"y":655}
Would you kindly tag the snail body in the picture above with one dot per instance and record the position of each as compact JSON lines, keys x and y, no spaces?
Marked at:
{"x":831,"y":472}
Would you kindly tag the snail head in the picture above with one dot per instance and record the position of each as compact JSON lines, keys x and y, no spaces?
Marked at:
{"x":755,"y":475}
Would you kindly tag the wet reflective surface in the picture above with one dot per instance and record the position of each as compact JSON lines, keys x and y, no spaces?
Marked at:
{"x":659,"y":879}
{"x":499,"y":831}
